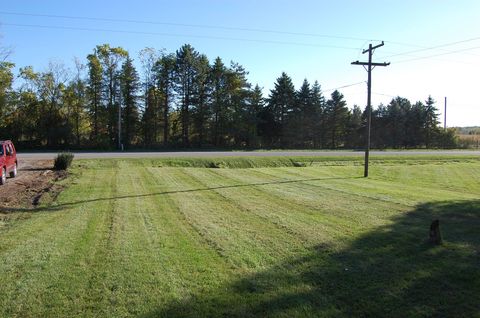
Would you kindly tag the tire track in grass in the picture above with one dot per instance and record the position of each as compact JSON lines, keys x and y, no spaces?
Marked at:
{"x":244,"y":239}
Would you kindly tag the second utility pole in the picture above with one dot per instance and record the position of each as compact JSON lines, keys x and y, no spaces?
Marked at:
{"x":369,"y":65}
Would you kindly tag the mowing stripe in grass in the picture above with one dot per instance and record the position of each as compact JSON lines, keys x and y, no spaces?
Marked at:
{"x":312,"y":225}
{"x":245,"y":239}
{"x":351,"y":213}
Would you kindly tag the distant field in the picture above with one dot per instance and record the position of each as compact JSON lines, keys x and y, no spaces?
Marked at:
{"x":245,"y":237}
{"x":469,"y":141}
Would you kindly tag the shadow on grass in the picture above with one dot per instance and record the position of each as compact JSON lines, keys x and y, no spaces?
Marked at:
{"x":389,"y":272}
{"x":74,"y":203}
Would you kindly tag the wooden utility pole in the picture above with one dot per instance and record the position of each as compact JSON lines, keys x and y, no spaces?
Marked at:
{"x":370,"y":65}
{"x":445,"y":115}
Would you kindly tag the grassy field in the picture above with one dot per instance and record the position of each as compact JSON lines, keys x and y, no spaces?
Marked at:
{"x":282,"y":238}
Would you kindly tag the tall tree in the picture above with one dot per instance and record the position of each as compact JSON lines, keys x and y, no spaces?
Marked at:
{"x":202,"y":90}
{"x":302,"y":120}
{"x":337,"y":118}
{"x":75,"y":98}
{"x":186,"y":58}
{"x":111,"y":59}
{"x":6,"y":82}
{"x":398,"y":126}
{"x":130,"y":84}
{"x":94,"y":92}
{"x":219,"y":99}
{"x":151,"y":97}
{"x":281,"y":103}
{"x":256,"y":104}
{"x":165,"y":70}
{"x":431,"y":121}
{"x":238,"y":90}
{"x":353,"y":138}
{"x":316,"y":119}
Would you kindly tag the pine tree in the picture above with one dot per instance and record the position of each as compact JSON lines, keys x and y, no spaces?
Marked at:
{"x":431,"y":121}
{"x":130,"y":85}
{"x":281,"y":103}
{"x":165,"y":69}
{"x":94,"y":91}
{"x":202,"y":90}
{"x":353,"y":137}
{"x":186,"y":58}
{"x":238,"y":90}
{"x":317,"y":118}
{"x":301,"y":122}
{"x":256,"y":105}
{"x":337,"y":118}
{"x":219,"y":100}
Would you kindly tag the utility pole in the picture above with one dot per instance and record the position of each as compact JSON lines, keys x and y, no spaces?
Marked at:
{"x":370,"y":66}
{"x":120,"y":146}
{"x":445,"y":115}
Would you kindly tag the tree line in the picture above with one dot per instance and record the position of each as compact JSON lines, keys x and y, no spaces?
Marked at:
{"x":183,"y":100}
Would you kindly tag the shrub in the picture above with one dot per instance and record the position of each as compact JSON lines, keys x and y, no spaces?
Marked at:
{"x":63,"y":161}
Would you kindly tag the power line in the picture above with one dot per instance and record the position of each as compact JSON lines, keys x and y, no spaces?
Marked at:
{"x":344,"y":86}
{"x":435,"y":55}
{"x":185,"y":25}
{"x":435,"y":47}
{"x":178,"y":35}
{"x":421,"y":48}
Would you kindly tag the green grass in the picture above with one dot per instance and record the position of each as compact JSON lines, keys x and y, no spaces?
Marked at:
{"x":289,"y":237}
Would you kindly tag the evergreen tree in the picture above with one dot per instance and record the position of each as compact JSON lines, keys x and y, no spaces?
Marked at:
{"x":301,"y":121}
{"x":151,"y":97}
{"x":337,"y":118}
{"x":202,"y":90}
{"x":397,"y":113}
{"x":94,"y":93}
{"x":186,"y":58}
{"x":317,"y":119}
{"x":165,"y":69}
{"x":130,"y":85}
{"x":219,"y":100}
{"x":238,"y":91}
{"x":281,"y":103}
{"x":353,"y":138}
{"x":255,"y":107}
{"x":431,"y":121}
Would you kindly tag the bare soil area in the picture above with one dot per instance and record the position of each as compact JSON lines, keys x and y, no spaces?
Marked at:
{"x":34,"y":179}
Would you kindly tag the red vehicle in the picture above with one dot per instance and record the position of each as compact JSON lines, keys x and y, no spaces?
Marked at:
{"x":8,"y":160}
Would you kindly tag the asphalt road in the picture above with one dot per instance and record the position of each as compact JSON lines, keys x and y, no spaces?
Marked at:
{"x":110,"y":155}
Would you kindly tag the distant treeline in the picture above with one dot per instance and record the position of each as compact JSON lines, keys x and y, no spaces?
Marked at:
{"x":182,"y":100}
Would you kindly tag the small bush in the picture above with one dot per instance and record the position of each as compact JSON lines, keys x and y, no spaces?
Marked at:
{"x":63,"y":161}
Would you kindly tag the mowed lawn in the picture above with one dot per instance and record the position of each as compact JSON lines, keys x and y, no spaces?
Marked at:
{"x":140,"y":238}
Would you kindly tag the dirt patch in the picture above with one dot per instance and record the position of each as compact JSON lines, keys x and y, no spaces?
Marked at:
{"x":35,"y":178}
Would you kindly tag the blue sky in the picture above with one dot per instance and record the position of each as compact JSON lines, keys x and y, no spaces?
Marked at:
{"x":316,"y":40}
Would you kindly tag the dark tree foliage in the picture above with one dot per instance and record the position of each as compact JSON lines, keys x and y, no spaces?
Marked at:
{"x":186,"y":101}
{"x":337,"y":115}
{"x":282,"y":105}
{"x":130,"y":85}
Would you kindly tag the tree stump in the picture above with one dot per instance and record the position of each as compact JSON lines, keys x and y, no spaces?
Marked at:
{"x":435,"y":235}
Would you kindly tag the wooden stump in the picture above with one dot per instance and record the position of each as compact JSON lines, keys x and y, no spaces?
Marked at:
{"x":435,"y":235}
